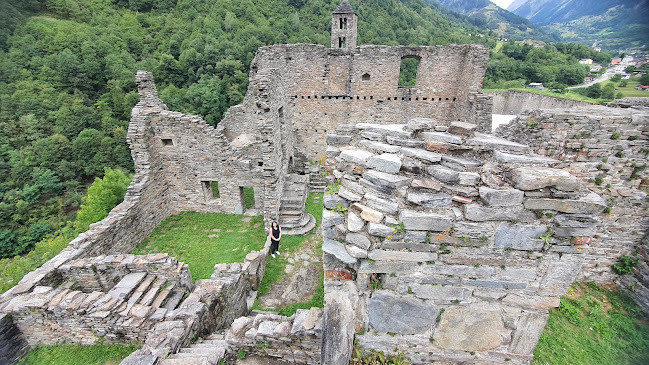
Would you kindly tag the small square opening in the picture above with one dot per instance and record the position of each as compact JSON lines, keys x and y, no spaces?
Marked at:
{"x":167,"y":142}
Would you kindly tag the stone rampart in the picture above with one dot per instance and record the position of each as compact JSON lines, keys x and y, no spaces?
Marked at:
{"x":607,"y":148}
{"x":514,"y":102}
{"x":447,"y":244}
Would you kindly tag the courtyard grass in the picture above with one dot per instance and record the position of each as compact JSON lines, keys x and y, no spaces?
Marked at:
{"x":202,"y":240}
{"x":594,"y":325}
{"x":629,"y":90}
{"x":275,"y":267}
{"x":101,"y":354}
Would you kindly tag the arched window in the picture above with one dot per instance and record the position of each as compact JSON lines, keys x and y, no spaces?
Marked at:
{"x":365,"y":77}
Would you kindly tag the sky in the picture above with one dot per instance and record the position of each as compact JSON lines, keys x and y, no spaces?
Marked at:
{"x":502,"y":3}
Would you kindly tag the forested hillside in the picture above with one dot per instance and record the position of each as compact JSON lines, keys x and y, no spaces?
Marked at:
{"x":67,"y":80}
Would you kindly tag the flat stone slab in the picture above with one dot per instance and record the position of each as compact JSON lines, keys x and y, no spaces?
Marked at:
{"x":386,"y":162}
{"x":478,"y":213}
{"x":354,"y":222}
{"x":465,"y":129}
{"x":369,"y":214}
{"x":338,"y":250}
{"x":358,"y":240}
{"x":466,"y":329}
{"x":338,"y":140}
{"x":442,"y":137}
{"x":444,"y":174}
{"x":423,"y":221}
{"x":426,"y":184}
{"x":501,"y":197}
{"x":519,"y":236}
{"x":380,"y":230}
{"x":441,"y":293}
{"x":128,"y":283}
{"x":347,"y":194}
{"x":524,"y":159}
{"x":420,"y":124}
{"x":462,"y":161}
{"x":590,"y":204}
{"x":429,"y":200}
{"x":492,"y":142}
{"x":396,"y":130}
{"x":534,"y":178}
{"x":379,"y":146}
{"x":421,"y":154}
{"x":383,"y":179}
{"x":403,"y":315}
{"x":331,"y":218}
{"x":383,"y":255}
{"x":386,"y":205}
{"x":355,"y":156}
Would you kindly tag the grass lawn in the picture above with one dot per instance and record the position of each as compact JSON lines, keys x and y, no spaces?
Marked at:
{"x":629,"y":89}
{"x":77,"y":354}
{"x":275,"y":267}
{"x":594,"y":325}
{"x":204,"y":239}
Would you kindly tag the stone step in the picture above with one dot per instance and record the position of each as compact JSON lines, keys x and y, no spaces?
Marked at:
{"x":164,"y":293}
{"x":139,"y":292}
{"x":306,"y":225}
{"x":216,"y":337}
{"x":211,"y":344}
{"x":209,"y":351}
{"x":174,"y":299}
{"x":125,"y":287}
{"x":291,"y":212}
{"x":208,"y":357}
{"x":185,"y":361}
{"x":150,"y":295}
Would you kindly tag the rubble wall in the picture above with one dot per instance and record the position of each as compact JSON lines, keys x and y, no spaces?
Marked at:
{"x":514,"y":102}
{"x":447,"y":244}
{"x":607,"y":148}
{"x":12,"y":343}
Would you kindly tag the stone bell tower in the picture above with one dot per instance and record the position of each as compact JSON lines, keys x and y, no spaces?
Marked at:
{"x":344,"y":27}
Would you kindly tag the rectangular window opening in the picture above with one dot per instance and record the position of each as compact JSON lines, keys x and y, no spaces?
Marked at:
{"x":247,"y":197}
{"x":211,"y":189}
{"x":341,"y":42}
{"x":167,"y":142}
{"x":408,"y":71}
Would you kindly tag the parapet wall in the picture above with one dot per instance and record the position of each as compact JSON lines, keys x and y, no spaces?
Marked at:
{"x":447,"y":244}
{"x":514,"y":102}
{"x":607,"y":148}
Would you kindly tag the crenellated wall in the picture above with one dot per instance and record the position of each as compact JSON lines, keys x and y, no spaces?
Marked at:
{"x":447,"y":244}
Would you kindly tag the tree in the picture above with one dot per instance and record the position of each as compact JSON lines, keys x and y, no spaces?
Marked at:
{"x":644,"y":79}
{"x":594,"y":91}
{"x":608,"y":92}
{"x":616,"y":78}
{"x":103,"y":195}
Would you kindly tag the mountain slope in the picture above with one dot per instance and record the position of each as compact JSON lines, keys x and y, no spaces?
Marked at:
{"x":485,"y":14}
{"x":614,"y":24}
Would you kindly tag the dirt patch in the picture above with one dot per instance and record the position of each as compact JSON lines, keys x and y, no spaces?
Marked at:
{"x":246,"y":219}
{"x":302,"y":277}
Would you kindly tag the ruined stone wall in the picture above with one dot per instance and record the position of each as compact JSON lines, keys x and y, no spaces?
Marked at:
{"x":331,"y":87}
{"x":607,"y":148}
{"x":12,"y":343}
{"x":294,"y":339}
{"x":446,"y":244}
{"x":514,"y":102}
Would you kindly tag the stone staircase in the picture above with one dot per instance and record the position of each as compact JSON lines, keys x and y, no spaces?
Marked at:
{"x":293,"y":218}
{"x":209,"y":351}
{"x":317,"y":182}
{"x":144,"y":295}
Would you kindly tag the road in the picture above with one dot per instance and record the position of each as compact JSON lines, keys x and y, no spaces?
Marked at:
{"x":604,"y":77}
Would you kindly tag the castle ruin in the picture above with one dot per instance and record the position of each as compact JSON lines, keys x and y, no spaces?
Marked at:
{"x":441,"y":241}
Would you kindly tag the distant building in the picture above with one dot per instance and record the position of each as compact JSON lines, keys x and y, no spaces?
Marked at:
{"x":627,"y":59}
{"x":626,"y":76}
{"x":586,"y":61}
{"x":596,"y":68}
{"x":537,"y":85}
{"x":615,"y":61}
{"x":642,"y":87}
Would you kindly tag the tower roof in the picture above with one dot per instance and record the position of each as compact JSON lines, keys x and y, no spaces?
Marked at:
{"x":344,"y":8}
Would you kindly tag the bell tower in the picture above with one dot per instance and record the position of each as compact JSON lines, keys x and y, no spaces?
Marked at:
{"x":344,"y":27}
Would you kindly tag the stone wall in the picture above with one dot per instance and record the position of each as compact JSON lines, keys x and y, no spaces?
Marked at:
{"x":607,"y":148}
{"x":447,"y":244}
{"x":295,"y":339}
{"x":514,"y":102}
{"x":12,"y":343}
{"x":325,"y":88}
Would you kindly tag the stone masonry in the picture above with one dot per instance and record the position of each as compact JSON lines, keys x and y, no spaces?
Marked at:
{"x":450,"y":244}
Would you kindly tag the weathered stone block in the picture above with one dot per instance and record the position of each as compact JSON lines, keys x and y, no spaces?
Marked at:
{"x":382,"y":255}
{"x":358,"y":240}
{"x":420,"y":124}
{"x":468,"y":178}
{"x":421,"y":154}
{"x":590,"y":204}
{"x":331,"y":218}
{"x":386,"y":205}
{"x":442,"y":137}
{"x":528,"y":331}
{"x":426,"y":184}
{"x":379,"y":230}
{"x":519,"y":237}
{"x":446,"y":294}
{"x":523,"y":159}
{"x":354,"y":222}
{"x":338,"y":250}
{"x":478,"y":213}
{"x":501,"y":197}
{"x":444,"y":174}
{"x":379,"y":147}
{"x":386,"y":162}
{"x":403,"y":315}
{"x":533,"y":178}
{"x":462,"y":161}
{"x":331,"y":201}
{"x":338,"y":140}
{"x":473,"y":230}
{"x":422,"y":221}
{"x":368,"y":213}
{"x":465,"y":129}
{"x":386,"y":180}
{"x":488,"y":141}
{"x":468,"y":329}
{"x":349,"y":195}
{"x":396,"y":130}
{"x":355,"y":156}
{"x":429,"y":200}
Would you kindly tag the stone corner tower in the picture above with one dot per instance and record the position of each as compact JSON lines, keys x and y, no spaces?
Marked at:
{"x":344,"y":27}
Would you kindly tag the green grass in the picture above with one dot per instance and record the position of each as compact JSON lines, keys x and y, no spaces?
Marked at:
{"x":629,"y":90}
{"x":275,"y":267}
{"x":77,"y":354}
{"x":248,"y":197}
{"x":204,"y":239}
{"x":594,"y":325}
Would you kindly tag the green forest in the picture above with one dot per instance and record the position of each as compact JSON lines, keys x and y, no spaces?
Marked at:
{"x":67,"y":79}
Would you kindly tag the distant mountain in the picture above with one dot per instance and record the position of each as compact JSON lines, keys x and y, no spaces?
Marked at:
{"x":485,"y":14}
{"x":615,"y":24}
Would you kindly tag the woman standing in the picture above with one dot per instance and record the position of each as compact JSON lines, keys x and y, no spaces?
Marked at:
{"x":275,"y":236}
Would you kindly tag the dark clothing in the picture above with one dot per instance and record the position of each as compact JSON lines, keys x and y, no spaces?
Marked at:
{"x":274,"y":244}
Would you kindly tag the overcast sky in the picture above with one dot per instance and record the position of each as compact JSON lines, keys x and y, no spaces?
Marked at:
{"x":502,"y":3}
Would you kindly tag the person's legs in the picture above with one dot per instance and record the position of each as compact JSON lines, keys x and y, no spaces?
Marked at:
{"x":274,"y":245}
